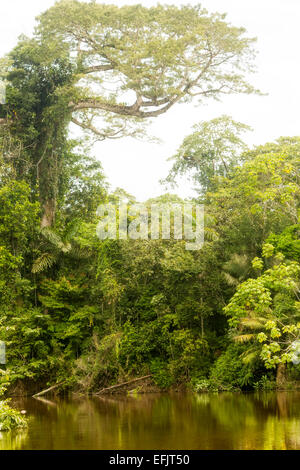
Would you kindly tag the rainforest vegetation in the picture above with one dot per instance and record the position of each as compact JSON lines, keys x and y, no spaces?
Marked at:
{"x":94,"y":313}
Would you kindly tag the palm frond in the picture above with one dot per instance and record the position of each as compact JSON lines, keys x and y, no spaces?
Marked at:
{"x":80,"y":253}
{"x":253,"y":323}
{"x":44,"y":262}
{"x":231,"y":281}
{"x":71,"y":230}
{"x":236,"y":268}
{"x":243,"y":338}
{"x":249,"y":356}
{"x":211,"y":234}
{"x":51,"y":236}
{"x":55,"y":240}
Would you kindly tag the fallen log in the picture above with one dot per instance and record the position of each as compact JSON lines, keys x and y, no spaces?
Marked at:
{"x":122,"y":384}
{"x":43,"y":392}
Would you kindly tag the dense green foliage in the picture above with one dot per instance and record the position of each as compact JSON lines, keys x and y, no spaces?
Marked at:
{"x":10,"y":418}
{"x":94,"y":312}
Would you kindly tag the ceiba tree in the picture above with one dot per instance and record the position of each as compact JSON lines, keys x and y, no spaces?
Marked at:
{"x":108,"y":70}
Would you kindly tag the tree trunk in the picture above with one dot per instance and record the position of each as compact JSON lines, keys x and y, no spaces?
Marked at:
{"x":48,"y":216}
{"x":47,"y":177}
{"x":280,"y":375}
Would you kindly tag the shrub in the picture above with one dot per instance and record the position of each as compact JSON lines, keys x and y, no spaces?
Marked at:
{"x":10,"y":418}
{"x":265,"y":383}
{"x":161,"y":373}
{"x":230,"y":370}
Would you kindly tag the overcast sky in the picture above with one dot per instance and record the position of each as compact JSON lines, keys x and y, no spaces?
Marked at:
{"x":138,"y":166}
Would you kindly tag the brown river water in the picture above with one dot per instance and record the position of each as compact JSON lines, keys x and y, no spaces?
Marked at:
{"x":267,"y":420}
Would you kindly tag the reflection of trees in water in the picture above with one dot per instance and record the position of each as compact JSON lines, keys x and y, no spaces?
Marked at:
{"x":13,"y":440}
{"x":259,"y":421}
{"x":145,"y":421}
{"x":222,"y":420}
{"x":53,"y":424}
{"x":178,"y":421}
{"x":285,"y":436}
{"x":282,"y":404}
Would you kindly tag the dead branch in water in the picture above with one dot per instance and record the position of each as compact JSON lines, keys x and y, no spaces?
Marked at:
{"x":122,"y":384}
{"x":43,"y":392}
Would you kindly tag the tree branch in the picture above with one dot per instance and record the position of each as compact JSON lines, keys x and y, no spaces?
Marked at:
{"x":102,"y":135}
{"x":124,"y":110}
{"x":98,"y":68}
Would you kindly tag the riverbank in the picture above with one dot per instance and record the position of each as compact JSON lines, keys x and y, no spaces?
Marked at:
{"x":133,"y":386}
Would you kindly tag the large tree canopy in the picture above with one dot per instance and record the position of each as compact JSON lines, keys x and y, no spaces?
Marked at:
{"x":107,"y":69}
{"x":210,"y":151}
{"x":138,"y":62}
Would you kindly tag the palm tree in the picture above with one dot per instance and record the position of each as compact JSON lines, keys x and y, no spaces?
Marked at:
{"x":54,"y":245}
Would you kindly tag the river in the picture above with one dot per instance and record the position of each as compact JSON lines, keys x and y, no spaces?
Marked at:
{"x":267,"y":420}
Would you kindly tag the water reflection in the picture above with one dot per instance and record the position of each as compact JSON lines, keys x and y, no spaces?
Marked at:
{"x":161,"y":421}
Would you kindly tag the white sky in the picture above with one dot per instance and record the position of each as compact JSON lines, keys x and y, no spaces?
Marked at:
{"x":138,"y":166}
